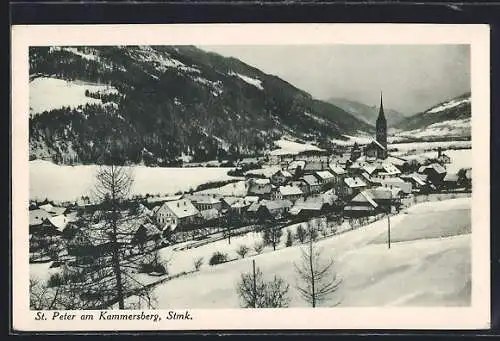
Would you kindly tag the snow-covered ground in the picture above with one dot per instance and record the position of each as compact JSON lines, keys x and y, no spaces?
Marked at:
{"x":425,"y":271}
{"x":290,"y":147}
{"x":451,"y":128}
{"x":252,"y":81}
{"x":48,"y":93}
{"x":427,"y":146}
{"x":418,"y":271}
{"x":68,"y":183}
{"x":448,"y":105}
{"x":460,"y":158}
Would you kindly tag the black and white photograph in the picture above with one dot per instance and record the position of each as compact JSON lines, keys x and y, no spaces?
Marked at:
{"x":184,"y":176}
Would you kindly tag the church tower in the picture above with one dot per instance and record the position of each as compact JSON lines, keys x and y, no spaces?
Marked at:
{"x":381,"y":128}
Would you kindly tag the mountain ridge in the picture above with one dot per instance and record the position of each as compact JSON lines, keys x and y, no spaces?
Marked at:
{"x":156,"y":104}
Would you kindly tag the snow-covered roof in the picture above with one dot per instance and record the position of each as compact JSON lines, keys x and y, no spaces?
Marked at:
{"x":55,"y":210}
{"x":181,"y":208}
{"x":277,"y":204}
{"x":337,"y":169}
{"x":59,"y":222}
{"x":310,"y":180}
{"x":290,"y":190}
{"x":284,"y":173}
{"x":38,"y":216}
{"x":396,"y":160}
{"x":436,"y":166}
{"x":203,"y":198}
{"x":354,"y":182}
{"x":210,"y":214}
{"x":364,"y":196}
{"x":251,"y":198}
{"x":451,"y":177}
{"x":325,"y":175}
{"x":295,"y":164}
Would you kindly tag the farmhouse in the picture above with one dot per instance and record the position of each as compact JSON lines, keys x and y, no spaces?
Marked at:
{"x":325,"y":177}
{"x":312,"y":183}
{"x":281,"y":177}
{"x":435,"y":173}
{"x":205,"y":201}
{"x":354,"y":186}
{"x":291,"y":193}
{"x":174,"y":214}
{"x":274,"y":209}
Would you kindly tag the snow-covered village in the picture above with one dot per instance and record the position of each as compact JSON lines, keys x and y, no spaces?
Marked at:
{"x":238,"y":190}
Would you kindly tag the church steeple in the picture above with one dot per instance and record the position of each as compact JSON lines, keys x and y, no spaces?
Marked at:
{"x":381,"y":130}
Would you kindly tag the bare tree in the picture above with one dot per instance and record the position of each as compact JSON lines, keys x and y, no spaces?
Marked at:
{"x":272,"y":234}
{"x":256,"y":292}
{"x":242,"y":250}
{"x":317,"y":277}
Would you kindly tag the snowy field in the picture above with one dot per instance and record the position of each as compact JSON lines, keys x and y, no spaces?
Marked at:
{"x":427,"y":146}
{"x":51,"y":93}
{"x":422,"y":272}
{"x":451,"y":128}
{"x":290,"y":147}
{"x":68,"y":183}
{"x":460,"y":158}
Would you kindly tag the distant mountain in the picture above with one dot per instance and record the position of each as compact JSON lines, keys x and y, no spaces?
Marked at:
{"x":365,"y":112}
{"x":159,"y":104}
{"x":449,"y":119}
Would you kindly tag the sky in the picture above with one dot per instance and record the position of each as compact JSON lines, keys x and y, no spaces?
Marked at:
{"x":412,"y":78}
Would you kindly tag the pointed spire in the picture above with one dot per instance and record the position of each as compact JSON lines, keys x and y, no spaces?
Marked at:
{"x":381,"y":110}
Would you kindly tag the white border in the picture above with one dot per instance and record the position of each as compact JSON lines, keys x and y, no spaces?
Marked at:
{"x":477,"y":316}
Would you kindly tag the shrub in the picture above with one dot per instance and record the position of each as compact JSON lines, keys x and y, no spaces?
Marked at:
{"x":160,"y":268}
{"x":198,"y":262}
{"x":242,"y":250}
{"x":55,"y":280}
{"x":218,"y":258}
{"x":258,"y":247}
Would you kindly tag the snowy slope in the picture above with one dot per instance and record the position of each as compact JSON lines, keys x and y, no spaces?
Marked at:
{"x":421,"y":272}
{"x":47,"y":93}
{"x":290,"y":147}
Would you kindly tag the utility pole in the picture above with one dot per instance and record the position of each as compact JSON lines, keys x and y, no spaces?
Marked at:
{"x":254,"y":285}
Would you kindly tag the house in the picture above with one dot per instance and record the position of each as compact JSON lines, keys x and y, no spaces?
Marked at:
{"x":312,"y":183}
{"x":372,"y":201}
{"x":37,"y":217}
{"x":261,"y":188}
{"x":450,"y":181}
{"x":274,"y":209}
{"x":236,"y":209}
{"x":374,"y":149}
{"x":314,"y":166}
{"x":405,"y":187}
{"x":58,"y":223}
{"x":381,"y":170}
{"x":310,"y":207}
{"x":418,"y":182}
{"x":369,"y":180}
{"x":178,"y":213}
{"x":296,"y":167}
{"x":205,"y":201}
{"x":325,"y":178}
{"x":281,"y":177}
{"x":361,"y":205}
{"x":249,"y":162}
{"x":339,"y":174}
{"x":465,"y":177}
{"x":147,"y":234}
{"x":401,"y":163}
{"x":354,"y":186}
{"x":291,"y":193}
{"x":435,"y":173}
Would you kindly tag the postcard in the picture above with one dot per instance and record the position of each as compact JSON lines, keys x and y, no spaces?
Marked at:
{"x":250,"y":177}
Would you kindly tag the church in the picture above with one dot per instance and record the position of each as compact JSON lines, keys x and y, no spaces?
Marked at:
{"x":378,"y":147}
